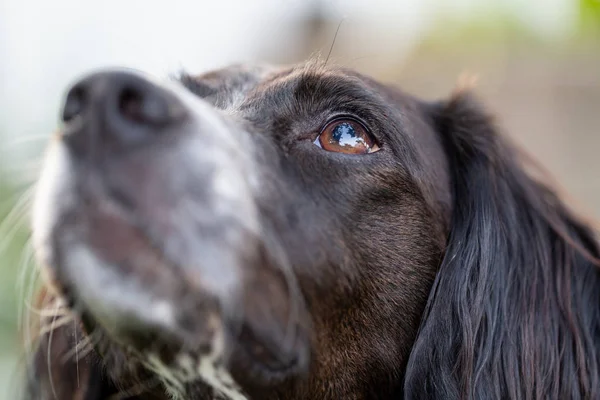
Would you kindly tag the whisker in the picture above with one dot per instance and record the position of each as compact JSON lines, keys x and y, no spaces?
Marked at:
{"x":87,"y":345}
{"x":26,"y":140}
{"x":56,"y":323}
{"x":28,"y":322}
{"x":334,"y":38}
{"x":21,"y":202}
{"x":11,"y":199}
{"x":76,"y":351}
{"x":84,"y":351}
{"x":79,"y":346}
{"x":11,"y":224}
{"x":26,"y":268}
{"x":168,"y":378}
{"x":49,"y":363}
{"x":15,"y":170}
{"x":46,"y":312}
{"x":23,"y":179}
{"x":136,"y":390}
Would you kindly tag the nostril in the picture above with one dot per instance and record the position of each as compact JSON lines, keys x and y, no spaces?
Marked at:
{"x":130,"y":105}
{"x":143,"y":107}
{"x":116,"y":111}
{"x":74,"y":104}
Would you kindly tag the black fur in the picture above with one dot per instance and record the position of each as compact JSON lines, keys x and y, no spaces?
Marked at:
{"x":513,"y":312}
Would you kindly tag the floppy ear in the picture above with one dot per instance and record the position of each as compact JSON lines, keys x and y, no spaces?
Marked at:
{"x":55,"y":371}
{"x":514,"y":312}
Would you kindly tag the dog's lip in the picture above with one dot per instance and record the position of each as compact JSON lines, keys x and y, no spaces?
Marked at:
{"x":273,"y":355}
{"x":258,"y":361}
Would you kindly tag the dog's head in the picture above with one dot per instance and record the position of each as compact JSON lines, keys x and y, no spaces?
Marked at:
{"x":270,"y":232}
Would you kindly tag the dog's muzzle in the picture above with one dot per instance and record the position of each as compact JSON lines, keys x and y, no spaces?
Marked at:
{"x":145,"y":217}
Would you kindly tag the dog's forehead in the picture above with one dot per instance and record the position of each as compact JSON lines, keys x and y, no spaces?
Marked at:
{"x":227,"y":87}
{"x":238,"y":76}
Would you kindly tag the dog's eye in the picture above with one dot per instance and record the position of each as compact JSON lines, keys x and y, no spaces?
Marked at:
{"x":346,"y":136}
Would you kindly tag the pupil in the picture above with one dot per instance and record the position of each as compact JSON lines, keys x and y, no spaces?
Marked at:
{"x":345,"y":135}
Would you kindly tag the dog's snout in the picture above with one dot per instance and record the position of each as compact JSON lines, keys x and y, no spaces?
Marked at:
{"x":119,"y":108}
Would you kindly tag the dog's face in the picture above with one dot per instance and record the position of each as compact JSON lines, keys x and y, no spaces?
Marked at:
{"x":267,"y":231}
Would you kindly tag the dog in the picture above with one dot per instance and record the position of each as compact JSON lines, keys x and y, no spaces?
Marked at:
{"x":303,"y":232}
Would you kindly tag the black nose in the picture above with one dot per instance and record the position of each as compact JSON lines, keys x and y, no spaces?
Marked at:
{"x":117,"y":110}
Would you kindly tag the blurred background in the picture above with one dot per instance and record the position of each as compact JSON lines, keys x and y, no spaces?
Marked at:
{"x":537,"y":62}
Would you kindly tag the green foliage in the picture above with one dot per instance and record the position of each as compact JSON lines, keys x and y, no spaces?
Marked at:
{"x":589,"y":17}
{"x":494,"y":27}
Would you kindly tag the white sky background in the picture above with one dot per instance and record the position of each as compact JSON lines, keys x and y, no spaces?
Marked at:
{"x":46,"y":44}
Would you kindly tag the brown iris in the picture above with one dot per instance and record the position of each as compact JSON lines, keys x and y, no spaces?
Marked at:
{"x":346,"y":136}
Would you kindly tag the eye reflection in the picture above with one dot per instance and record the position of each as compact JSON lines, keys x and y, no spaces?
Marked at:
{"x":346,"y":136}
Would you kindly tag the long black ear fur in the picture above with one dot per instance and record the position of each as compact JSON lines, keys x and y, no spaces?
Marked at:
{"x":514,"y":312}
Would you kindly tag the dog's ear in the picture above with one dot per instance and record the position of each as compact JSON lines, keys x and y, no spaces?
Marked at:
{"x":514,"y":312}
{"x":60,"y":368}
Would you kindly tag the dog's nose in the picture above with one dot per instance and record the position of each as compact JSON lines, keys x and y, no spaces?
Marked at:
{"x":118,"y":110}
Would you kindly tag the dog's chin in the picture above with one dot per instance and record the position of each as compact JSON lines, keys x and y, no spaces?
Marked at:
{"x":254,"y":362}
